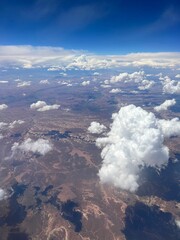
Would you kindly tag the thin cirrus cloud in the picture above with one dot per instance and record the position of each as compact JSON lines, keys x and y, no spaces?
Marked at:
{"x":58,"y":58}
{"x":135,"y":141}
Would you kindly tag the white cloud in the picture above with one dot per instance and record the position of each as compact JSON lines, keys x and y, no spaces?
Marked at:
{"x":38,"y":104}
{"x":146,"y":84}
{"x":41,"y":146}
{"x":63,"y":82}
{"x":3,"y":194}
{"x":63,"y":74}
{"x":3,"y":106}
{"x":49,"y":107}
{"x":4,"y":81}
{"x":128,"y":77}
{"x":177,"y":76}
{"x":96,"y":74}
{"x":24,"y":84}
{"x":42,"y":106}
{"x":56,"y":58}
{"x":44,"y":82}
{"x":165,"y":105}
{"x":85,"y":83}
{"x":3,"y":125}
{"x":170,"y":128}
{"x":105,"y":85}
{"x":170,"y":86}
{"x":16,"y":122}
{"x":115,"y":90}
{"x":177,"y":223}
{"x":53,"y":69}
{"x":138,"y":78}
{"x":96,"y":128}
{"x":135,"y":140}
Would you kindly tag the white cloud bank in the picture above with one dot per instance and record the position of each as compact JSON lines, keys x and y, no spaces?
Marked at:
{"x":135,"y":140}
{"x":96,"y":128}
{"x":42,"y":106}
{"x":165,"y":105}
{"x":41,"y":146}
{"x":3,"y":106}
{"x":56,"y":58}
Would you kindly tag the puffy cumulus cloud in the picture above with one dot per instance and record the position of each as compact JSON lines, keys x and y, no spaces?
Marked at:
{"x":138,"y":78}
{"x":56,"y":58}
{"x":42,"y":106}
{"x":135,"y":140}
{"x":170,"y":86}
{"x":5,"y":126}
{"x":115,"y":90}
{"x":44,"y":82}
{"x":128,"y":77}
{"x":177,"y":76}
{"x":165,"y":105}
{"x":3,"y":194}
{"x":146,"y":84}
{"x":38,"y":104}
{"x":16,"y":122}
{"x":85,"y":83}
{"x":3,"y":106}
{"x":24,"y":84}
{"x":96,"y":128}
{"x":49,"y":107}
{"x":170,"y":128}
{"x":41,"y":146}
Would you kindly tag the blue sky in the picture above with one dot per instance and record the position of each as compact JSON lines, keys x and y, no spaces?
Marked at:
{"x":100,"y":26}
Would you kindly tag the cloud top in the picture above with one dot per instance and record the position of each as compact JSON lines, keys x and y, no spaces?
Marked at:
{"x":135,"y":140}
{"x":96,"y":128}
{"x":165,"y":105}
{"x":41,"y":146}
{"x":41,"y":106}
{"x":3,"y":106}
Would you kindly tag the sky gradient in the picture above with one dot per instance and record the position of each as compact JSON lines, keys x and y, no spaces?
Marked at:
{"x":101,"y":26}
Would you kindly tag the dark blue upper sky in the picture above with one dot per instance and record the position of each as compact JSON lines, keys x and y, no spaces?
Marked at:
{"x":101,"y":26}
